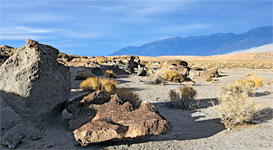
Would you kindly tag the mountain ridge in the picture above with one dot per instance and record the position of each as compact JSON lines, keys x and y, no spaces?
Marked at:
{"x":202,"y":45}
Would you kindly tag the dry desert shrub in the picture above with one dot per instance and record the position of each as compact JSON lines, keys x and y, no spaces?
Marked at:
{"x":235,"y":106}
{"x":173,"y":76}
{"x":108,"y":84}
{"x":251,"y":81}
{"x":209,"y":79}
{"x":100,"y":61}
{"x":110,"y":74}
{"x":95,"y":83}
{"x":259,"y":82}
{"x":91,"y":83}
{"x":127,"y":96}
{"x":252,"y":64}
{"x":185,"y":100}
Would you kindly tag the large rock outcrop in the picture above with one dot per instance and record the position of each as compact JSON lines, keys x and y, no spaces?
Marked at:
{"x":34,"y":84}
{"x":116,"y":120}
{"x":176,"y":65}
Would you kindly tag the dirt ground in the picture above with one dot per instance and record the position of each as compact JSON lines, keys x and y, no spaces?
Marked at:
{"x":199,"y":129}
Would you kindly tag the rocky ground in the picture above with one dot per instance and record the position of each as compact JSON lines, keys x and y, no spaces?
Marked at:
{"x":42,"y":86}
{"x":198,"y":129}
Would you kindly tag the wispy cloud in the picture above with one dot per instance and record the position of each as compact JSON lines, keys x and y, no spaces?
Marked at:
{"x":21,"y":33}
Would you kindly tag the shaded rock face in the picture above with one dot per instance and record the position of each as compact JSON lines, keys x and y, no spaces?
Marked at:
{"x":5,"y":53}
{"x":33,"y":84}
{"x":116,"y":121}
{"x":81,"y":73}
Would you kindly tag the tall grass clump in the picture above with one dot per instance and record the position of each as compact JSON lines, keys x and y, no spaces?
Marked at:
{"x":183,"y":100}
{"x":173,"y":76}
{"x":95,"y":83}
{"x":110,"y":74}
{"x":127,"y":96}
{"x":250,"y":84}
{"x":235,"y":106}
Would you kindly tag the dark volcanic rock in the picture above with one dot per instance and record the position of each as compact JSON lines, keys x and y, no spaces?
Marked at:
{"x":117,"y":121}
{"x":34,"y":84}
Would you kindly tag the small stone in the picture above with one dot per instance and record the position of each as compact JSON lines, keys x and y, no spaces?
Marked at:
{"x":255,"y":121}
{"x":12,"y":141}
{"x":35,"y":137}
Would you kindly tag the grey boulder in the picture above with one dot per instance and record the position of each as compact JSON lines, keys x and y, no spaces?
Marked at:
{"x":34,"y":84}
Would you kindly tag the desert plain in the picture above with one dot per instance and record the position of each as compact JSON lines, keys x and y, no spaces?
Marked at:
{"x":198,"y":129}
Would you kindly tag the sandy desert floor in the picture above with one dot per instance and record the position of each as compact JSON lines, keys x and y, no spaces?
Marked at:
{"x":199,"y":129}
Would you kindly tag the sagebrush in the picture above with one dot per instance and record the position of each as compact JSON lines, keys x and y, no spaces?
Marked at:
{"x":183,"y":100}
{"x":235,"y":106}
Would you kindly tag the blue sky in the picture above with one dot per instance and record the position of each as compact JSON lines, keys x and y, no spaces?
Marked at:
{"x":100,"y":27}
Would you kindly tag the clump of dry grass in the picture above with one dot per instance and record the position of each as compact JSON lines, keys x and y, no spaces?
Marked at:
{"x":173,"y":76}
{"x":184,"y":100}
{"x":95,"y":83}
{"x":127,"y":96}
{"x":235,"y":106}
{"x":209,"y":79}
{"x":110,"y":74}
{"x":108,"y":85}
{"x":259,"y":82}
{"x":91,"y":83}
{"x":250,"y":84}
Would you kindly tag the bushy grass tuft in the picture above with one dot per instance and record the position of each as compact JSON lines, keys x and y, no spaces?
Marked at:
{"x":235,"y":106}
{"x":127,"y":96}
{"x":95,"y":83}
{"x":108,"y":85}
{"x":185,"y":100}
{"x":173,"y":76}
{"x":259,"y":82}
{"x":110,"y":74}
{"x":91,"y":83}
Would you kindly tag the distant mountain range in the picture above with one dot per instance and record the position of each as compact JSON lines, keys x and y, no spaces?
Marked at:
{"x":214,"y":44}
{"x":260,"y":49}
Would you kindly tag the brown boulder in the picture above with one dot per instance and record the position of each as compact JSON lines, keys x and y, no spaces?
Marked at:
{"x":97,"y":97}
{"x":115,"y":121}
{"x":210,"y":73}
{"x":176,"y":65}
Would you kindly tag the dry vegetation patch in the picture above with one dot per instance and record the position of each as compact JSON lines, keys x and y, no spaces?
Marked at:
{"x":173,"y":76}
{"x":110,"y":74}
{"x":127,"y":96}
{"x":235,"y":106}
{"x":251,"y":64}
{"x":183,"y":100}
{"x":95,"y":83}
